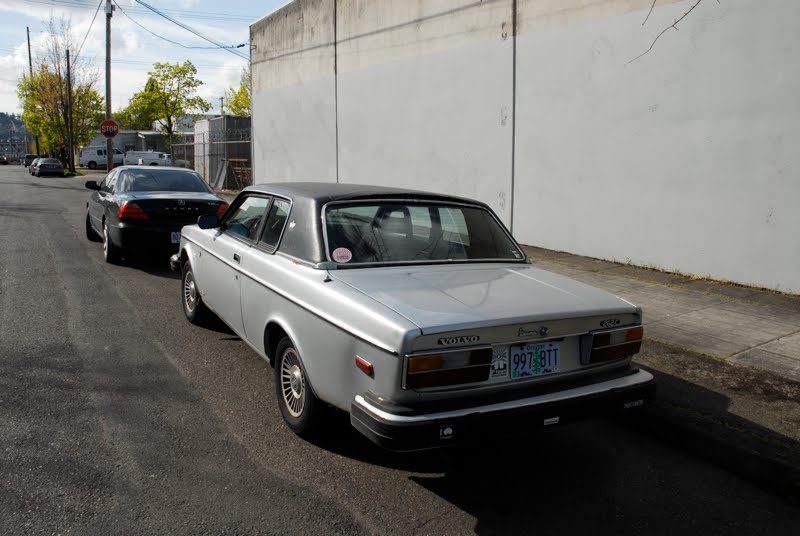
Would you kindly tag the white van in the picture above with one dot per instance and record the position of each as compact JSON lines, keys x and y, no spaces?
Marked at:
{"x":95,"y":156}
{"x":147,"y":158}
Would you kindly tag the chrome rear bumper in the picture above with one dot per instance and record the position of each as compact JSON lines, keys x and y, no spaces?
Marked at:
{"x":424,"y":430}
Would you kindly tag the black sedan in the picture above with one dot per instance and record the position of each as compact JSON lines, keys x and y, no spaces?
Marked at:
{"x":49,"y":166}
{"x":144,"y":208}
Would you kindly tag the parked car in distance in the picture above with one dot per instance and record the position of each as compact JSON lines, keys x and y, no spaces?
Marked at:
{"x":95,"y":156}
{"x":143,"y":209}
{"x":49,"y":166}
{"x":147,"y":158}
{"x":32,"y":167}
{"x":415,"y":312}
{"x":29,"y":158}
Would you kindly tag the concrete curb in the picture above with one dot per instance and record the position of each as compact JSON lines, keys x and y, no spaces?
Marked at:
{"x":755,"y":453}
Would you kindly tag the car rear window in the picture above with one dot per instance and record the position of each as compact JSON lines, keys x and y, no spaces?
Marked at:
{"x":160,"y":180}
{"x":49,"y":161}
{"x":415,"y":232}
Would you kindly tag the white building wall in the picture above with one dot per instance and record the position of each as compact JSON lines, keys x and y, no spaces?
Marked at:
{"x":425,"y":94}
{"x":294,"y":109}
{"x":683,"y":160}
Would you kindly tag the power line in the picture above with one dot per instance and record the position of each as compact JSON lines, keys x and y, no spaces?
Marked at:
{"x":87,"y":32}
{"x":188,"y":29}
{"x":200,"y":15}
{"x":161,"y":36}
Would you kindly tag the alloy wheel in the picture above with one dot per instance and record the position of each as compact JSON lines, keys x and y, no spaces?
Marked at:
{"x":293,"y":383}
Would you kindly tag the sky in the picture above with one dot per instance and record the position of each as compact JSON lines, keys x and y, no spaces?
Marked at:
{"x":134,"y":47}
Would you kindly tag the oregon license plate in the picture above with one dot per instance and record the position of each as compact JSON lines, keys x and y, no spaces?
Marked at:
{"x":176,"y":237}
{"x":534,"y":359}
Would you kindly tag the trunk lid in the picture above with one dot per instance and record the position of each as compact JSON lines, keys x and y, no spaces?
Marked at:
{"x":446,"y":298}
{"x":175,"y":207}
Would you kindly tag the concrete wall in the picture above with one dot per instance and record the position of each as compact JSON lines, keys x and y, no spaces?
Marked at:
{"x":425,"y":94}
{"x":684,"y":159}
{"x":294,"y":110}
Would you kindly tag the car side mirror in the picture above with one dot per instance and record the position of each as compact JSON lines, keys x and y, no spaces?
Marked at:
{"x":92,"y":185}
{"x":209,"y":221}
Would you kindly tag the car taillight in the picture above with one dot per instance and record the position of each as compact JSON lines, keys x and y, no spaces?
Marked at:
{"x":221,"y":209}
{"x":607,"y":346}
{"x":448,"y":368}
{"x":131,"y":211}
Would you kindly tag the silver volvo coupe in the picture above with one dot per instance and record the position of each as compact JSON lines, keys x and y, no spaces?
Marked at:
{"x":416,"y":313}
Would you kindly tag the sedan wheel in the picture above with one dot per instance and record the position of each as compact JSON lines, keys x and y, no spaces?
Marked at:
{"x":295,"y":398}
{"x":193,"y":306}
{"x":110,"y":252}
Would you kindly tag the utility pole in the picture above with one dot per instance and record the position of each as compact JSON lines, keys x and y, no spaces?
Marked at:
{"x":221,"y":106}
{"x":71,"y":157}
{"x":30,"y":65}
{"x":109,"y":141}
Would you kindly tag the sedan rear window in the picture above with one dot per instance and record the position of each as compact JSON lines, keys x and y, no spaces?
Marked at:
{"x":49,"y":161}
{"x":160,"y":180}
{"x":415,"y":232}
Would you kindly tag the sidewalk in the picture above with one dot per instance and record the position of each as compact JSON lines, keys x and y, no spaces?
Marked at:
{"x":744,"y":325}
{"x":726,"y":361}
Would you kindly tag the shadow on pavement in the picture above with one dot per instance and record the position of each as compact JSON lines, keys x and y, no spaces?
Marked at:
{"x":152,"y":262}
{"x":694,"y":418}
{"x":621,"y":474}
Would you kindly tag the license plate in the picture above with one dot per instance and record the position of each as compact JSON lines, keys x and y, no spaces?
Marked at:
{"x":534,"y":359}
{"x":176,"y":237}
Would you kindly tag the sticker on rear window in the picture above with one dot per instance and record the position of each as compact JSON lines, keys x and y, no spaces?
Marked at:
{"x":342,"y":255}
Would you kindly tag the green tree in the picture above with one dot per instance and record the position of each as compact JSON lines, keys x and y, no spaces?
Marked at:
{"x":171,"y":94}
{"x":238,"y":100}
{"x":44,"y":95}
{"x":140,"y":113}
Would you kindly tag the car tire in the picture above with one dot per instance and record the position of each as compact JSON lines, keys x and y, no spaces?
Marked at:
{"x":193,"y":307}
{"x":90,"y":234}
{"x":111,"y":253}
{"x":299,"y":407}
{"x":92,"y":165}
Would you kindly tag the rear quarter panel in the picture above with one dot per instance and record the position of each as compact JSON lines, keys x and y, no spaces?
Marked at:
{"x":329,"y":323}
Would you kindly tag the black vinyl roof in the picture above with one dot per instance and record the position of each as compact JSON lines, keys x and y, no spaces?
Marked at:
{"x":325,"y":192}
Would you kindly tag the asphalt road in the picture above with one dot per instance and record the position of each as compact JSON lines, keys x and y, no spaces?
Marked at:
{"x":119,"y":417}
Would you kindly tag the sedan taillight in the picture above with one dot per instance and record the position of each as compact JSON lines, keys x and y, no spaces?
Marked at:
{"x":223,"y":206}
{"x":604,"y":346}
{"x":448,"y":368}
{"x":131,"y":211}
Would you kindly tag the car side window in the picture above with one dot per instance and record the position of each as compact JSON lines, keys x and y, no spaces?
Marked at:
{"x":246,"y":220}
{"x":107,"y":185}
{"x":276,"y":221}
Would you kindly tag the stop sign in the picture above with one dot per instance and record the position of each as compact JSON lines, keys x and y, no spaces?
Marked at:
{"x":109,"y":128}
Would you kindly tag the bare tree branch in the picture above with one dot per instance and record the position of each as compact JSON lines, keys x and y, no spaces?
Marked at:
{"x":674,"y":26}
{"x":649,"y":12}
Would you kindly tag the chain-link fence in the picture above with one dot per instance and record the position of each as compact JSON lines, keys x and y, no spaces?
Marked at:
{"x":219,"y":151}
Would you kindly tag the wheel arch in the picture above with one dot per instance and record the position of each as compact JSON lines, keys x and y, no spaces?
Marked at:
{"x":273,"y":333}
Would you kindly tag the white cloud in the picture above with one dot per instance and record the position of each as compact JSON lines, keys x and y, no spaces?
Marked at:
{"x":134,"y":50}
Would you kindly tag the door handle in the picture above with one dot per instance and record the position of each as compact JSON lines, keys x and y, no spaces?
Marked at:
{"x":236,"y":257}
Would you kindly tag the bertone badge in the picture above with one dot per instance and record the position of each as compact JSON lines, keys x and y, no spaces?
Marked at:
{"x":450,"y":341}
{"x":541,"y":332}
